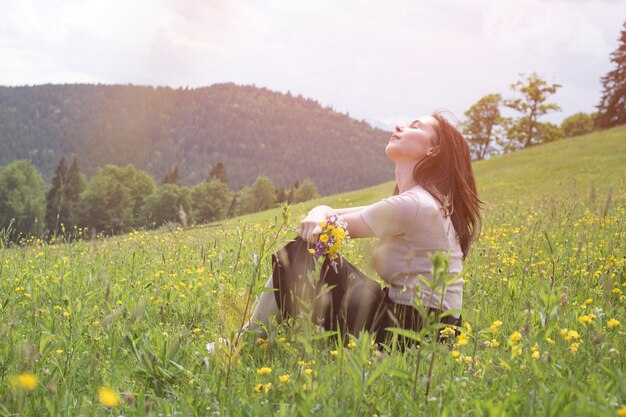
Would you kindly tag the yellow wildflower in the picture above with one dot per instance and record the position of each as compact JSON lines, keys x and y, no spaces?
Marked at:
{"x":622,"y":411}
{"x":27,"y":381}
{"x":455,"y":354}
{"x":574,"y":347}
{"x":333,"y":353}
{"x":107,"y":397}
{"x":447,"y":332}
{"x":352,"y":344}
{"x":338,"y":233}
{"x":284,"y":379}
{"x":495,"y":326}
{"x":515,"y":337}
{"x":572,"y":334}
{"x":588,"y":301}
{"x":264,"y":371}
{"x":461,"y":340}
{"x":324,"y":237}
{"x":536,"y":355}
{"x":612,"y":323}
{"x":586,"y":319}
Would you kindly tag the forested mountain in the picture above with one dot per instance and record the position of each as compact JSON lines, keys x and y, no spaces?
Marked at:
{"x":252,"y":130}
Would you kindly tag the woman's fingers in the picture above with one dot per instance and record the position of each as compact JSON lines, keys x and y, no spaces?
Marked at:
{"x":314,"y":233}
{"x":310,"y":229}
{"x":309,"y":232}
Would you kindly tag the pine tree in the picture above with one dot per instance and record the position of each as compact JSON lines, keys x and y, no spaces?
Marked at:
{"x":281,"y":195}
{"x":219,"y":172}
{"x":172,"y":176}
{"x":74,"y":186}
{"x":57,"y":208}
{"x":612,"y":107}
{"x":232,"y":208}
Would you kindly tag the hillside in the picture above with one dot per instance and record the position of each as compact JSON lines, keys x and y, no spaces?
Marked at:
{"x":252,"y":130}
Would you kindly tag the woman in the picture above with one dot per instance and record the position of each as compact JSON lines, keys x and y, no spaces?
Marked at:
{"x":435,"y":207}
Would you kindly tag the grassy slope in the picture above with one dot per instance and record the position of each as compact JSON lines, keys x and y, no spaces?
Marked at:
{"x":570,"y":165}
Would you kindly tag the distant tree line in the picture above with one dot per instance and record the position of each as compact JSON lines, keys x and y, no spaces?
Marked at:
{"x":489,"y":133}
{"x":121,"y":199}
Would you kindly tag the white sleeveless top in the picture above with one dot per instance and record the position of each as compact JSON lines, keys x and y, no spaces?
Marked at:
{"x":411,"y":225}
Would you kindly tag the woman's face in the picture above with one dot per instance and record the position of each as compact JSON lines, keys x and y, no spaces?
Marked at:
{"x":412,"y":141}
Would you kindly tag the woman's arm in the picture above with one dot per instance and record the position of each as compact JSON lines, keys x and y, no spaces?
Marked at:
{"x":310,"y":228}
{"x":327,"y":210}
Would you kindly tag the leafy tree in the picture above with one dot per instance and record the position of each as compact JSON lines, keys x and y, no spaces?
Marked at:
{"x":219,"y":172}
{"x":114,"y":198}
{"x":172,"y":176}
{"x":21,"y":199}
{"x":210,"y":201}
{"x":481,"y":127}
{"x":106,"y":203}
{"x":57,"y":209}
{"x":305,"y":192}
{"x":165,"y":204}
{"x":524,"y":131}
{"x":549,"y":132}
{"x":260,"y":196}
{"x":292,"y":190}
{"x":577,"y":124}
{"x":612,"y":106}
{"x":246,"y":202}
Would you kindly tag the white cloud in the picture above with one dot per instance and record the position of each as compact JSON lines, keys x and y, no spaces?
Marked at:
{"x":387,"y":61}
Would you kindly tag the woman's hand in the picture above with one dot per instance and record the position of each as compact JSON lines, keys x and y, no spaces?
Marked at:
{"x":310,"y":227}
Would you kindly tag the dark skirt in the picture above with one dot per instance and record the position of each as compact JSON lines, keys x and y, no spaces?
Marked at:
{"x":345,"y":300}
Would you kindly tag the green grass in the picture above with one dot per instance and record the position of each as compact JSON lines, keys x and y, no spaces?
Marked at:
{"x":133,"y":312}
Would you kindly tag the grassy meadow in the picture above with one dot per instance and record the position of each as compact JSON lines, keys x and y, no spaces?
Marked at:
{"x":117,"y":326}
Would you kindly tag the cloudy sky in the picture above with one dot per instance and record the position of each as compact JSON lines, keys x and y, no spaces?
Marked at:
{"x":377,"y":60}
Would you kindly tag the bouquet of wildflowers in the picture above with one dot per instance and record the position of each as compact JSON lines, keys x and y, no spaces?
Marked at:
{"x":332,"y":237}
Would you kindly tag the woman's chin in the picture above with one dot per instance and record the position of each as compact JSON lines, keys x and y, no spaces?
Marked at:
{"x":389,"y":151}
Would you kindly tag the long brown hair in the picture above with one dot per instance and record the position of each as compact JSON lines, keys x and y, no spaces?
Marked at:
{"x":447,"y":175}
